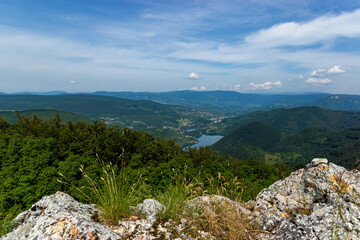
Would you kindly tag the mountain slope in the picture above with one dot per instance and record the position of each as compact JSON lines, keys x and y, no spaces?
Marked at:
{"x":249,"y":141}
{"x":294,"y":119}
{"x":125,"y":112}
{"x":12,"y":116}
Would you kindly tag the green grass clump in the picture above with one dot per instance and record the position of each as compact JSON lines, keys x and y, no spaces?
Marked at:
{"x":176,"y":195}
{"x":115,"y":193}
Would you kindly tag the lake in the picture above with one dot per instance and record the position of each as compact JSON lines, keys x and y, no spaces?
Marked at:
{"x":207,"y":140}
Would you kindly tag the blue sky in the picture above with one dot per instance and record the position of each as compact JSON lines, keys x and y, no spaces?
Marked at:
{"x":256,"y":46}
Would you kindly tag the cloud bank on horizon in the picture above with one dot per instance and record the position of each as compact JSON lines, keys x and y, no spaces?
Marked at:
{"x":159,"y":45}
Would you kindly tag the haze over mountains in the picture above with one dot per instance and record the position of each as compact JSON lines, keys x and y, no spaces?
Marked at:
{"x":231,"y":102}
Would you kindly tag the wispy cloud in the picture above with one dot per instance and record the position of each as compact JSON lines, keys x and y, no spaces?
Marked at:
{"x":318,"y":81}
{"x":319,"y":72}
{"x":195,"y":88}
{"x":324,"y":28}
{"x":265,"y":85}
{"x":156,"y":45}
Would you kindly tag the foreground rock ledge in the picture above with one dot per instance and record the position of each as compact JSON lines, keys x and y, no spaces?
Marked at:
{"x":319,"y":202}
{"x":59,"y":216}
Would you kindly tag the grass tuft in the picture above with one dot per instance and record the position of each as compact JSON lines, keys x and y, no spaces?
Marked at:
{"x":114,"y":193}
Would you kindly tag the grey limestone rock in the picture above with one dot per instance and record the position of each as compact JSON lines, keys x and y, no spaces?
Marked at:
{"x":320,"y":202}
{"x":150,"y":208}
{"x":59,"y":216}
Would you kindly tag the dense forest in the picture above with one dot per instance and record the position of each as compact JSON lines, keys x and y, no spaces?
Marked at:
{"x":292,"y":136}
{"x":33,"y":152}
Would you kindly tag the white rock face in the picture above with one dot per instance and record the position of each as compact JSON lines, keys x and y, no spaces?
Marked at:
{"x":321,"y":202}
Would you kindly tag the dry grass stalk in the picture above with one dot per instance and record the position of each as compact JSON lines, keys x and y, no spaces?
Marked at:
{"x":223,"y":220}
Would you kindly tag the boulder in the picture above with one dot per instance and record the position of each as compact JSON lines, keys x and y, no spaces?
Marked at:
{"x":320,"y":202}
{"x":150,"y":208}
{"x":60,"y":216}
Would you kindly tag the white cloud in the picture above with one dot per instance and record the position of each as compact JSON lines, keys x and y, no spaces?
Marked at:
{"x":335,"y":69}
{"x":318,"y":81}
{"x":194,"y":75}
{"x":195,"y":88}
{"x":72,"y":82}
{"x":319,"y":72}
{"x":301,"y":76}
{"x":266,"y":85}
{"x":237,"y":87}
{"x":299,"y":34}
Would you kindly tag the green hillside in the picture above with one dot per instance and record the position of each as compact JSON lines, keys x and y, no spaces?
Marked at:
{"x":256,"y":134}
{"x":267,"y":143}
{"x":294,"y":119}
{"x":114,"y":111}
{"x":13,"y":116}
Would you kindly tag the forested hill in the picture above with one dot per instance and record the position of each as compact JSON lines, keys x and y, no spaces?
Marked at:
{"x":292,"y":136}
{"x":13,"y":116}
{"x":293,"y":119}
{"x":124,"y":112}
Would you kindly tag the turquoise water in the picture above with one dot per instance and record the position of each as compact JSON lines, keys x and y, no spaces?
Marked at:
{"x":207,"y":140}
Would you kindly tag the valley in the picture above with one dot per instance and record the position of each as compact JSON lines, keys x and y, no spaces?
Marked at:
{"x":276,"y":135}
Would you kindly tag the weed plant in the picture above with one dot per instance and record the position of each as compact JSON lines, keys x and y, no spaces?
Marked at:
{"x":223,"y":220}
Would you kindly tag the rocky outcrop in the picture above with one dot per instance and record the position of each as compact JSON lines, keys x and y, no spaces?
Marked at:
{"x":59,"y":216}
{"x":319,"y":202}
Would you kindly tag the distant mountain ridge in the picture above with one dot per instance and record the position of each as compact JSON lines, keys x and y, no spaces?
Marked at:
{"x":138,"y":114}
{"x":224,"y":101}
{"x":231,"y":102}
